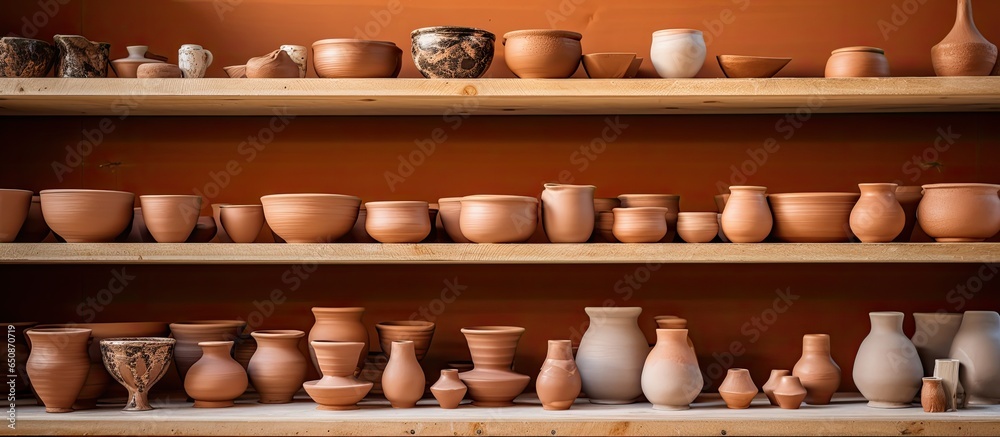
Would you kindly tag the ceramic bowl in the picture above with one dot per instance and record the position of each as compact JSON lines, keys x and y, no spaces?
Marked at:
{"x":678,"y":53}
{"x":960,"y":212}
{"x":608,"y":65}
{"x":417,"y":331}
{"x":449,"y":52}
{"x":644,"y":224}
{"x":398,"y":222}
{"x":26,"y":57}
{"x":87,"y":216}
{"x":542,"y":53}
{"x":337,"y":397}
{"x":236,"y":71}
{"x":698,"y":227}
{"x":812,"y":217}
{"x":310,"y":218}
{"x":243,"y":223}
{"x":489,"y":392}
{"x":858,"y":62}
{"x":170,"y":218}
{"x":670,"y":201}
{"x":736,"y":66}
{"x":498,"y":218}
{"x":14,"y":207}
{"x":356,"y":58}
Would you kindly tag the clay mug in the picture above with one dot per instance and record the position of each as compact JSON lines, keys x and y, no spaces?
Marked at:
{"x":194,"y":60}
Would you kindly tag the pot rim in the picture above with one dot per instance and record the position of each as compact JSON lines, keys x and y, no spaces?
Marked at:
{"x":556,"y":33}
{"x":615,"y":54}
{"x":817,"y":195}
{"x":208,"y":323}
{"x":81,"y":191}
{"x":353,"y":41}
{"x":493,"y":329}
{"x":453,"y":30}
{"x":58,"y":331}
{"x":649,"y":196}
{"x":27,"y":39}
{"x":17,"y":190}
{"x":994,"y":187}
{"x":216,"y":343}
{"x":406,"y":324}
{"x":329,"y":310}
{"x":278,"y":333}
{"x":637,"y":209}
{"x":169,"y":196}
{"x":308,"y":195}
{"x":398,"y":203}
{"x":450,"y":200}
{"x":157,"y":341}
{"x":760,"y":58}
{"x":678,"y":31}
{"x":861,"y":49}
{"x":558,"y":185}
{"x":698,"y":214}
{"x":103,"y":325}
{"x":500,"y":198}
{"x":335,"y":343}
{"x":614,"y":311}
{"x":228,"y":206}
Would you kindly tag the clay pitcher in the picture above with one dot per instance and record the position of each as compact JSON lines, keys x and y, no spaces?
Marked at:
{"x":339,"y":324}
{"x":558,"y":383}
{"x":611,"y":355}
{"x":878,"y":216}
{"x":671,"y":379}
{"x":887,"y":368}
{"x":194,"y":60}
{"x":277,"y":368}
{"x":58,"y":365}
{"x":216,"y":380}
{"x":817,"y":371}
{"x":933,"y":337}
{"x":977,"y":347}
{"x":964,"y":52}
{"x":568,"y":212}
{"x":403,"y":380}
{"x":747,"y":217}
{"x":80,"y":57}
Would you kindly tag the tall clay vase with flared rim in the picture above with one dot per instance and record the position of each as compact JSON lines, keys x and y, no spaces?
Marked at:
{"x":933,"y":336}
{"x":877,"y":217}
{"x":58,"y":366}
{"x":87,"y":216}
{"x":977,"y":347}
{"x":671,"y":379}
{"x":611,"y":355}
{"x":16,"y":204}
{"x":738,"y":389}
{"x":216,"y":380}
{"x":747,"y":218}
{"x":189,"y":334}
{"x":451,"y":212}
{"x":170,"y":218}
{"x":908,"y":197}
{"x":558,"y":383}
{"x":398,"y":222}
{"x":639,"y":224}
{"x":417,"y":331}
{"x":887,"y":369}
{"x":449,"y":390}
{"x":491,"y":382}
{"x":137,"y":363}
{"x":339,"y":324}
{"x":772,"y":382}
{"x":568,"y":212}
{"x":243,"y":223}
{"x":277,"y":368}
{"x":964,"y":52}
{"x":403,"y":380}
{"x":817,"y":371}
{"x":338,"y":389}
{"x":960,"y":212}
{"x":672,"y":202}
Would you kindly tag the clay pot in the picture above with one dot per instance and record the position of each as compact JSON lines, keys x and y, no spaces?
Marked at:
{"x":568,"y":212}
{"x":669,"y":201}
{"x":245,"y":347}
{"x":947,"y":371}
{"x":698,"y":227}
{"x":339,"y":324}
{"x":434,"y":236}
{"x":189,"y":334}
{"x":908,"y":197}
{"x":299,"y":55}
{"x":932,"y":397}
{"x":671,"y":379}
{"x":542,"y":53}
{"x":887,"y":370}
{"x":277,"y":368}
{"x":275,"y":65}
{"x":960,"y":212}
{"x":222,"y":235}
{"x":216,"y":379}
{"x":158,"y":71}
{"x":137,"y":55}
{"x":22,"y":384}
{"x":605,"y":226}
{"x":738,"y":389}
{"x":673,"y":322}
{"x":607,"y":65}
{"x":417,"y":331}
{"x":678,"y":53}
{"x":811,"y":217}
{"x":26,"y":57}
{"x":243,"y":223}
{"x":977,"y":347}
{"x":611,"y":355}
{"x":735,"y":66}
{"x":87,"y":216}
{"x":403,"y":380}
{"x":639,"y":224}
{"x":194,"y":60}
{"x":933,"y":337}
{"x":349,"y":58}
{"x":491,"y":382}
{"x":964,"y":52}
{"x":310,"y":218}
{"x":451,"y":214}
{"x":137,"y":363}
{"x":858,"y":62}
{"x":816,"y":370}
{"x":338,"y":390}
{"x":204,"y":230}
{"x":558,"y":383}
{"x":449,"y":390}
{"x":80,"y":57}
{"x":789,"y":393}
{"x":877,"y":217}
{"x":34,"y":229}
{"x":398,"y":222}
{"x":772,"y":383}
{"x":450,"y":52}
{"x":15,"y":206}
{"x":498,"y":219}
{"x":236,"y":71}
{"x":58,"y":365}
{"x":170,"y":218}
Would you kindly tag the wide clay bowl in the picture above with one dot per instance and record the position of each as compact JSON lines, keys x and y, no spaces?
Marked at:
{"x":26,"y":57}
{"x":813,"y":217}
{"x":449,"y":52}
{"x":337,"y":397}
{"x":356,"y":58}
{"x":857,"y":62}
{"x":14,"y":207}
{"x":697,"y":227}
{"x":87,"y":216}
{"x":737,"y":66}
{"x":960,"y":212}
{"x":450,"y":209}
{"x":643,"y":224}
{"x":608,"y":65}
{"x":170,"y":218}
{"x":498,"y":219}
{"x":310,"y":218}
{"x":494,"y":391}
{"x":242,"y":222}
{"x":236,"y":71}
{"x":417,"y":331}
{"x":542,"y":53}
{"x":398,"y":222}
{"x":137,"y":363}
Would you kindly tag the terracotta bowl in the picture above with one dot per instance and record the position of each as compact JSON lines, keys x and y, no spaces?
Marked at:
{"x":417,"y":331}
{"x":450,"y":209}
{"x":858,"y":62}
{"x":87,"y":216}
{"x":236,"y":71}
{"x":449,"y":52}
{"x":170,"y":218}
{"x":14,"y":207}
{"x":698,"y":227}
{"x":310,"y":218}
{"x":542,"y":53}
{"x":356,"y":58}
{"x":338,"y":397}
{"x":490,"y":392}
{"x":498,"y":218}
{"x":243,"y":223}
{"x":960,"y":212}
{"x":812,"y":217}
{"x":643,"y":224}
{"x":398,"y":222}
{"x":608,"y":65}
{"x":736,"y":66}
{"x":26,"y":57}
{"x":669,"y":201}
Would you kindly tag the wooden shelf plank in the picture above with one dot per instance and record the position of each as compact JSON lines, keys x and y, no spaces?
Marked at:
{"x":269,"y":253}
{"x":265,"y":97}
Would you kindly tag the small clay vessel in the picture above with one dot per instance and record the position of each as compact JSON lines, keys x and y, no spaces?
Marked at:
{"x":887,"y":369}
{"x":671,"y":379}
{"x":611,"y":355}
{"x":236,"y":71}
{"x":568,"y":212}
{"x":58,"y":365}
{"x":223,"y":236}
{"x":341,"y":58}
{"x":542,"y":53}
{"x":669,"y":201}
{"x":451,"y":214}
{"x":772,"y":383}
{"x":15,"y":206}
{"x":812,"y":217}
{"x":639,"y":224}
{"x":678,"y":53}
{"x":747,"y":218}
{"x":137,"y":55}
{"x":697,"y":227}
{"x":158,"y":71}
{"x":977,"y":347}
{"x":339,"y":324}
{"x":933,"y":336}
{"x":759,"y":67}
{"x":932,"y":396}
{"x":878,"y":216}
{"x":194,"y":60}
{"x":491,"y":382}
{"x":789,"y":393}
{"x":960,"y":212}
{"x":189,"y":334}
{"x":137,"y":363}
{"x":450,"y":52}
{"x":243,"y":223}
{"x":417,"y":331}
{"x":216,"y":379}
{"x":858,"y":62}
{"x":338,"y":389}
{"x":87,"y":216}
{"x":299,"y":55}
{"x":908,"y":197}
{"x":673,"y":322}
{"x":274,"y":65}
{"x":170,"y":218}
{"x":310,"y":218}
{"x":607,"y":65}
{"x":277,"y":368}
{"x":558,"y":383}
{"x":947,"y":370}
{"x":964,"y":52}
{"x":816,"y":370}
{"x":403,"y":380}
{"x":80,"y":57}
{"x":34,"y":229}
{"x":738,"y":389}
{"x":449,"y":390}
{"x":398,"y":222}
{"x":204,"y":230}
{"x":26,"y":57}
{"x":498,"y":218}
{"x":605,"y":226}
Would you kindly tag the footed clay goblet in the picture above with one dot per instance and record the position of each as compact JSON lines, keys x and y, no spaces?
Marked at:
{"x":137,"y":363}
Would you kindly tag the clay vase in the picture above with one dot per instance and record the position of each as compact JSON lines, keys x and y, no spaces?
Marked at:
{"x":58,"y":365}
{"x":277,"y":368}
{"x":450,"y":52}
{"x":789,"y":393}
{"x":670,"y":201}
{"x":933,"y":337}
{"x":243,"y":223}
{"x":417,"y":331}
{"x":558,"y":383}
{"x":639,"y":225}
{"x":498,"y":218}
{"x":339,"y":324}
{"x":671,"y":379}
{"x":964,"y":52}
{"x":14,"y":207}
{"x":87,"y":216}
{"x":398,"y":222}
{"x":908,"y":197}
{"x":189,"y":334}
{"x":137,"y":363}
{"x":158,"y":71}
{"x":204,"y":230}
{"x":542,"y":53}
{"x":878,"y":216}
{"x":747,"y":218}
{"x":738,"y":389}
{"x":137,"y":55}
{"x":170,"y":218}
{"x":816,"y":370}
{"x":977,"y":347}
{"x":451,"y":213}
{"x":310,"y":218}
{"x":611,"y":355}
{"x":403,"y":380}
{"x":697,"y":227}
{"x":193,"y":60}
{"x":568,"y":212}
{"x":449,"y":390}
{"x":80,"y":57}
{"x":772,"y":383}
{"x":932,"y":396}
{"x":299,"y":55}
{"x":356,"y":58}
{"x":491,"y":382}
{"x":887,"y":369}
{"x":274,"y":65}
{"x":222,"y":235}
{"x":34,"y":229}
{"x":960,"y":212}
{"x":678,"y":53}
{"x":216,"y":380}
{"x":26,"y":57}
{"x":858,"y":62}
{"x":338,"y":390}
{"x":947,"y":371}
{"x":22,"y":384}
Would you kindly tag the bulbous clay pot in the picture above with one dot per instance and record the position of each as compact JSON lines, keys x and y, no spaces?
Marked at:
{"x":932,"y":397}
{"x":558,"y":383}
{"x":339,"y":324}
{"x":403,"y":380}
{"x":498,"y":219}
{"x":310,"y":218}
{"x":568,"y":212}
{"x":611,"y":355}
{"x":887,"y":368}
{"x":58,"y":365}
{"x":772,"y":383}
{"x":908,"y":197}
{"x":14,"y":207}
{"x":747,"y":218}
{"x":816,"y":370}
{"x":222,"y":235}
{"x":277,"y":368}
{"x":299,"y":55}
{"x":491,"y":382}
{"x":398,"y":222}
{"x":450,"y":52}
{"x":170,"y":218}
{"x":605,"y":226}
{"x":243,"y":223}
{"x":158,"y":71}
{"x":417,"y":331}
{"x":789,"y":393}
{"x":812,"y":217}
{"x":977,"y":347}
{"x":338,"y":389}
{"x":640,"y":224}
{"x":87,"y":216}
{"x":960,"y":212}
{"x":449,"y":390}
{"x":669,"y":201}
{"x":137,"y":55}
{"x":964,"y":52}
{"x":204,"y":230}
{"x":26,"y":57}
{"x":671,"y":379}
{"x":542,"y":53}
{"x":451,"y":215}
{"x":137,"y":363}
{"x":80,"y":57}
{"x":189,"y":334}
{"x":738,"y":389}
{"x":216,"y":380}
{"x":947,"y":371}
{"x":356,"y":58}
{"x":678,"y":53}
{"x":275,"y":65}
{"x":858,"y":62}
{"x":34,"y":229}
{"x":697,"y":227}
{"x":878,"y":216}
{"x":933,"y":337}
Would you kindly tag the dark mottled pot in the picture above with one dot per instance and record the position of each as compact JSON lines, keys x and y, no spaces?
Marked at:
{"x":80,"y":57}
{"x":449,"y":52}
{"x":26,"y":57}
{"x":137,"y":363}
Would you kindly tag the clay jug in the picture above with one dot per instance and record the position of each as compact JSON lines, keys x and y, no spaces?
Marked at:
{"x":611,"y":355}
{"x":277,"y":368}
{"x":449,"y":390}
{"x":194,"y":60}
{"x":558,"y":383}
{"x":671,"y":379}
{"x":878,"y":216}
{"x":747,"y":218}
{"x":216,"y":379}
{"x":738,"y":389}
{"x":772,"y":383}
{"x":933,"y":337}
{"x":80,"y":57}
{"x":977,"y":347}
{"x":789,"y":393}
{"x":932,"y":396}
{"x":568,"y":212}
{"x":964,"y":52}
{"x":403,"y":380}
{"x":816,"y":370}
{"x":908,"y":197}
{"x":277,"y":64}
{"x":887,"y":368}
{"x":339,"y":324}
{"x":58,"y":365}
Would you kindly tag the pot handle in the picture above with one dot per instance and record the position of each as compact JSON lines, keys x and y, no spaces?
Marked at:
{"x":208,"y":58}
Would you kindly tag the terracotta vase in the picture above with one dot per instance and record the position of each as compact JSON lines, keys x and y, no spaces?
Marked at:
{"x":299,"y":55}
{"x":158,"y":71}
{"x":933,"y":337}
{"x":669,"y":201}
{"x":137,"y":55}
{"x":491,"y":382}
{"x":932,"y":397}
{"x":58,"y":365}
{"x":398,"y":222}
{"x":451,"y":214}
{"x":243,"y":223}
{"x":222,"y":235}
{"x":772,"y":383}
{"x":189,"y":334}
{"x":542,"y":53}
{"x":170,"y":218}
{"x":857,"y":62}
{"x":498,"y":218}
{"x":34,"y":229}
{"x":568,"y":212}
{"x":204,"y":230}
{"x":417,"y":331}
{"x":275,"y":65}
{"x":14,"y":207}
{"x":611,"y":355}
{"x":449,"y":390}
{"x":87,"y":216}
{"x":887,"y":369}
{"x":339,"y":324}
{"x":640,"y":224}
{"x":697,"y":227}
{"x":877,"y":217}
{"x":812,"y":217}
{"x":558,"y":383}
{"x":977,"y":347}
{"x":747,"y":218}
{"x":403,"y":380}
{"x":738,"y":389}
{"x":817,"y":371}
{"x":908,"y":197}
{"x":310,"y":218}
{"x":789,"y":393}
{"x":947,"y":371}
{"x":678,"y":53}
{"x":277,"y":368}
{"x":80,"y":57}
{"x":338,"y":390}
{"x":22,"y":384}
{"x":964,"y":52}
{"x":671,"y":379}
{"x":342,"y":58}
{"x":960,"y":212}
{"x":26,"y":57}
{"x":612,"y":65}
{"x":193,"y":60}
{"x":137,"y":363}
{"x":216,"y":379}
{"x":450,"y":52}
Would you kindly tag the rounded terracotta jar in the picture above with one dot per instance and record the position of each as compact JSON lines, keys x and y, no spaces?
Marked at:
{"x":542,"y":53}
{"x":558,"y":383}
{"x":698,"y":227}
{"x":58,"y":365}
{"x":87,"y":216}
{"x":189,"y":334}
{"x":403,"y":380}
{"x":310,"y":218}
{"x":14,"y":207}
{"x":611,"y":355}
{"x":277,"y":368}
{"x":678,"y":53}
{"x":772,"y":383}
{"x":499,"y":218}
{"x":887,"y":369}
{"x":816,"y":370}
{"x":417,"y":331}
{"x":277,"y":64}
{"x":450,"y":210}
{"x":341,"y":58}
{"x":644,"y":224}
{"x":670,"y":201}
{"x":339,"y":324}
{"x":747,"y":217}
{"x":812,"y":217}
{"x":738,"y":389}
{"x":568,"y":212}
{"x":216,"y":380}
{"x":858,"y":62}
{"x":671,"y":379}
{"x":243,"y":223}
{"x":170,"y":218}
{"x":398,"y":222}
{"x":878,"y":216}
{"x":960,"y":212}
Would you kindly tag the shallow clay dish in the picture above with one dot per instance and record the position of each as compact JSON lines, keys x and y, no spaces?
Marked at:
{"x":87,"y":216}
{"x":737,"y":66}
{"x":450,"y":52}
{"x":608,"y":65}
{"x":356,"y":58}
{"x":542,"y":53}
{"x":813,"y":217}
{"x":498,"y":218}
{"x":310,"y":218}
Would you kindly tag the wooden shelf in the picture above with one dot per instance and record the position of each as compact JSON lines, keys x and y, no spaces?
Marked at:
{"x":195,"y":97}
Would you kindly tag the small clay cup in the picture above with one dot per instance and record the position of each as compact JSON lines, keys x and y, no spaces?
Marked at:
{"x":646,"y":224}
{"x":398,"y":222}
{"x":243,"y":223}
{"x":697,"y":227}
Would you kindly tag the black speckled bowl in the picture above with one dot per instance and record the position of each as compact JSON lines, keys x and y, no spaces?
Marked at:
{"x":26,"y":57}
{"x":449,"y":52}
